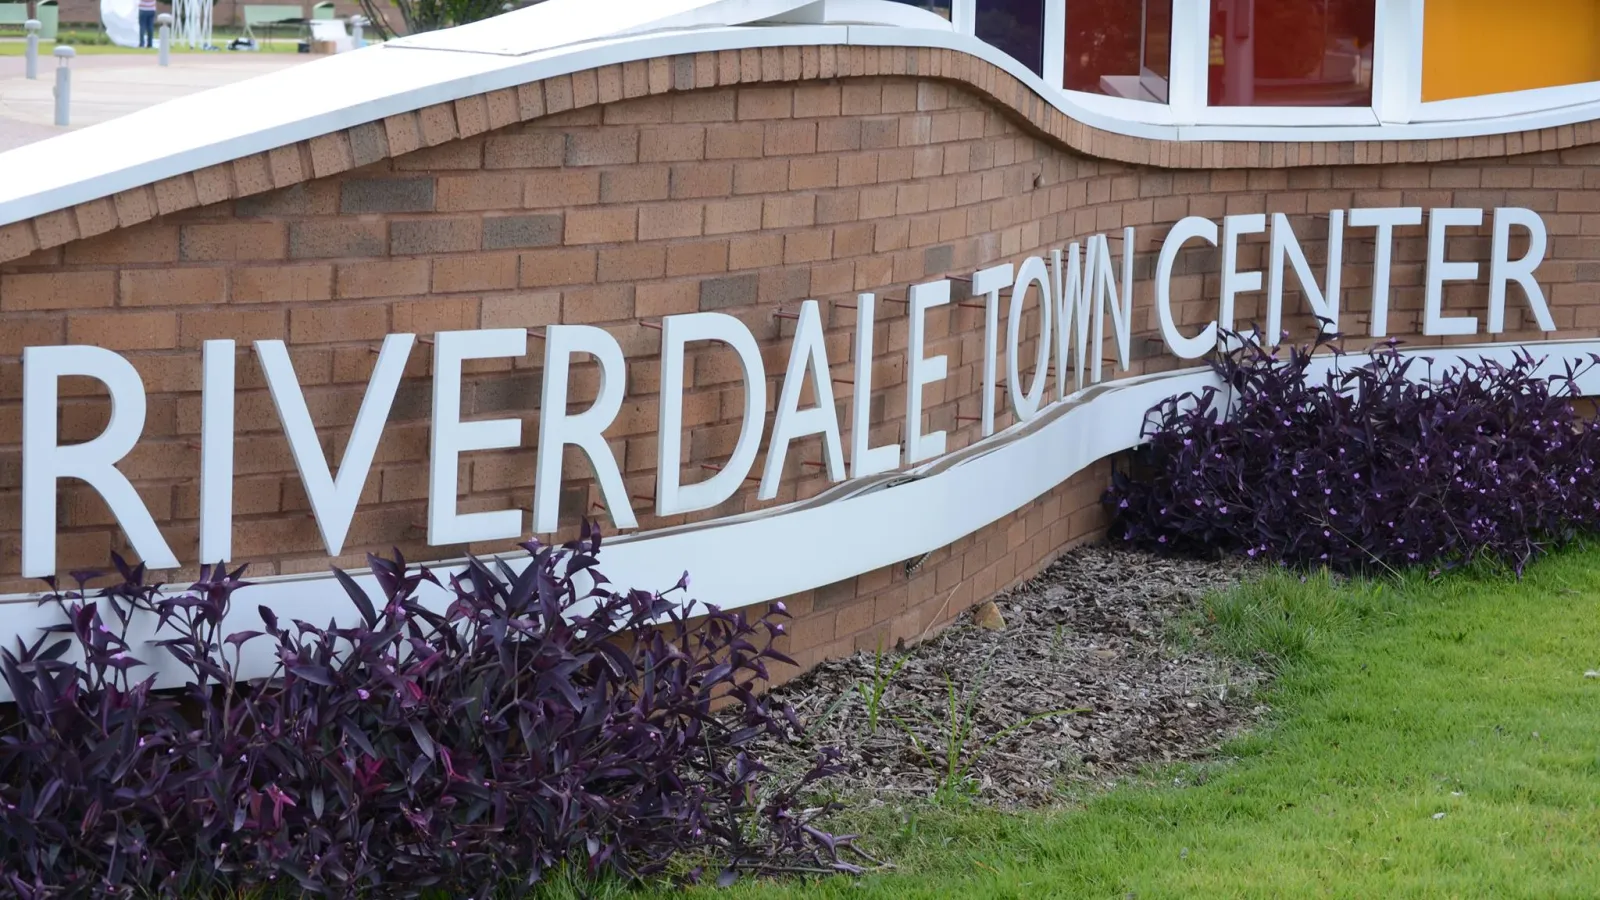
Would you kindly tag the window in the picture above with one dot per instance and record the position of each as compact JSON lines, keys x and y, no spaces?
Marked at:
{"x":1122,"y":48}
{"x":1291,"y":52}
{"x":1475,"y":47}
{"x":939,"y":8}
{"x":1258,"y":69}
{"x":1016,"y":27}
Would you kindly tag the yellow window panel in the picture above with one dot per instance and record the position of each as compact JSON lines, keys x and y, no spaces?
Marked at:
{"x":1475,"y":47}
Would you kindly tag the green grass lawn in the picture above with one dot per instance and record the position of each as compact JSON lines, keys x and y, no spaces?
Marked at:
{"x":1428,"y":740}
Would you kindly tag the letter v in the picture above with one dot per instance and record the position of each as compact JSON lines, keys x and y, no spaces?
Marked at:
{"x":333,"y":501}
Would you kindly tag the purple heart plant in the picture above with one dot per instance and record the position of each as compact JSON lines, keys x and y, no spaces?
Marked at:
{"x":541,"y":720}
{"x":1374,"y":467}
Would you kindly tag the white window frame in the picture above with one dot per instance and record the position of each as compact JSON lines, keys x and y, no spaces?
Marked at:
{"x":1510,"y":103}
{"x":1396,"y":86}
{"x":1144,"y":111}
{"x":1488,"y":106}
{"x":1279,"y":115}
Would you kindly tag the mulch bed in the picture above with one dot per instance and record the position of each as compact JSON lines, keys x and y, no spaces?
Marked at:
{"x":1101,"y":631}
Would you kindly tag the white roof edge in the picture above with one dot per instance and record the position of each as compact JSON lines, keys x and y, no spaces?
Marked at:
{"x":293,"y":105}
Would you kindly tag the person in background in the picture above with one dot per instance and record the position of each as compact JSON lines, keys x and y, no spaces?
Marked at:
{"x":147,"y":23}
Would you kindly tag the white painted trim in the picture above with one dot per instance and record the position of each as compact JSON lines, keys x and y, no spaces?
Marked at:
{"x":1299,"y":116}
{"x":1509,"y":103}
{"x":1397,"y":61}
{"x":964,"y":16}
{"x":1143,"y":111}
{"x":861,"y":12}
{"x":1055,"y":38}
{"x":1311,"y":117}
{"x":870,"y":523}
{"x":1186,"y":92}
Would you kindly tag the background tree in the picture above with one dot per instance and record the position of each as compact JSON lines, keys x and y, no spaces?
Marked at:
{"x":432,"y":15}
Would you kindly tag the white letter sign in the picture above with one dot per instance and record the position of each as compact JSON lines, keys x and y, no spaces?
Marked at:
{"x":866,"y":459}
{"x":1027,"y":403}
{"x":922,"y":371}
{"x":1235,"y":282}
{"x":452,"y":437}
{"x":673,"y":497}
{"x":989,"y":282}
{"x":1285,"y":246}
{"x":1502,"y":269}
{"x":94,"y":462}
{"x":1385,"y":220}
{"x":586,"y":430}
{"x":1187,"y":229}
{"x":333,"y":502}
{"x":1434,"y":321}
{"x":807,"y":355}
{"x":216,"y":452}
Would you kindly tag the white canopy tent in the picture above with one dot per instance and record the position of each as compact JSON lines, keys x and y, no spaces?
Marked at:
{"x":121,"y":21}
{"x":191,"y":22}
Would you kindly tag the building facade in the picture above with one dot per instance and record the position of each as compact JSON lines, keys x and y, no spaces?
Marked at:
{"x":766,"y":217}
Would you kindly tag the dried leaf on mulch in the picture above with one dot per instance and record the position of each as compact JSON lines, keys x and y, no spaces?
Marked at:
{"x":1102,"y":631}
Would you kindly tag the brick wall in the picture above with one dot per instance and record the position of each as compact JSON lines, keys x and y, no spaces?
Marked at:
{"x":744,"y":200}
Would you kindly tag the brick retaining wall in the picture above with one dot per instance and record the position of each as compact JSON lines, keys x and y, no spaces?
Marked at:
{"x":744,"y":200}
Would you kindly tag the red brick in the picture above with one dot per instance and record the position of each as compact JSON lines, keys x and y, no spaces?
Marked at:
{"x":729,"y":216}
{"x":381,"y":279}
{"x":671,"y":220}
{"x":697,"y":258}
{"x":173,"y":287}
{"x":561,"y":189}
{"x":325,"y":239}
{"x":610,"y":303}
{"x":413,"y":237}
{"x":346,"y":322}
{"x":234,"y":241}
{"x":545,"y":268}
{"x":478,"y":272}
{"x":528,"y":150}
{"x":672,"y":143}
{"x":478,"y":191}
{"x":241,"y":325}
{"x":174,"y":194}
{"x":743,"y":141}
{"x":601,"y":226}
{"x":611,"y":147}
{"x":57,"y":290}
{"x":125,"y":331}
{"x":766,"y":103}
{"x":632,"y":263}
{"x":520,"y":310}
{"x":673,"y":298}
{"x":434,"y":314}
{"x":633,"y":184}
{"x":280,"y":284}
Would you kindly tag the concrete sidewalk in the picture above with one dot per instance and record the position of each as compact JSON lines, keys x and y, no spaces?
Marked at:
{"x":107,"y":86}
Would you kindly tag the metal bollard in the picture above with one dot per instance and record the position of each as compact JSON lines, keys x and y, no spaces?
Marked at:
{"x":32,"y":27}
{"x":356,"y":24}
{"x":64,"y":85}
{"x":164,"y":38}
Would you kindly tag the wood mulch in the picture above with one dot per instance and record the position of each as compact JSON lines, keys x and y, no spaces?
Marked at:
{"x":1108,"y":634}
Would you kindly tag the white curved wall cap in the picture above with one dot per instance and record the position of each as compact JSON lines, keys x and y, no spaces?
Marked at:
{"x":862,"y":12}
{"x":789,"y":549}
{"x":561,"y":23}
{"x":350,"y":89}
{"x":362,"y":86}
